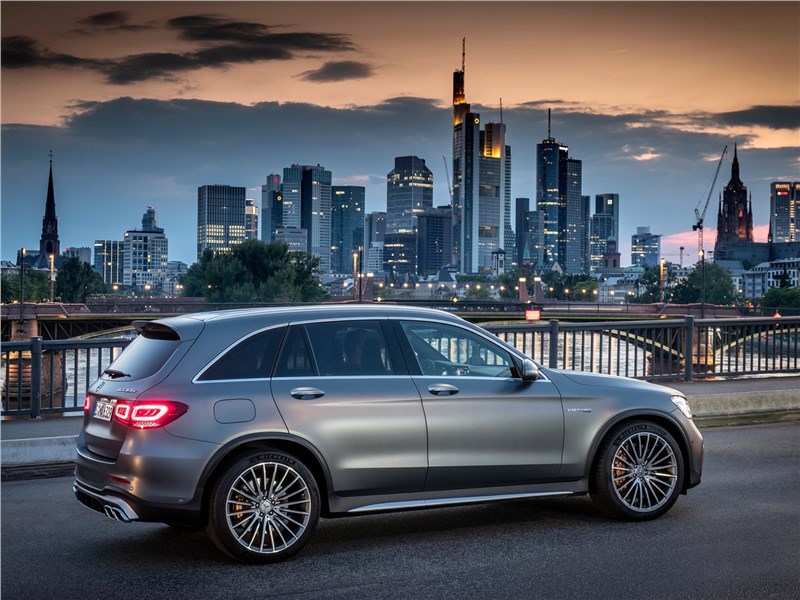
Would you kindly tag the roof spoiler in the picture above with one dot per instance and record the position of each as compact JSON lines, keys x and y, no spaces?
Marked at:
{"x":156,"y":331}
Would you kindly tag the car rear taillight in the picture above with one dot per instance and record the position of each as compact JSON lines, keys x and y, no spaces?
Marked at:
{"x":87,"y":404}
{"x":148,"y":414}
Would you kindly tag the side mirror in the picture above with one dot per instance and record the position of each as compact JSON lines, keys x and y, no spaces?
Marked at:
{"x":529,"y":370}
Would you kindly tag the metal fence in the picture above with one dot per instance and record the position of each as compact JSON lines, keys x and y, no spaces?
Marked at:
{"x":52,"y":376}
{"x":41,"y":377}
{"x":663,"y":349}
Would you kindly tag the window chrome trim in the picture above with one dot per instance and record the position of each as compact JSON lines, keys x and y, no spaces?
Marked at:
{"x":492,"y":339}
{"x":196,"y":378}
{"x":346,"y":377}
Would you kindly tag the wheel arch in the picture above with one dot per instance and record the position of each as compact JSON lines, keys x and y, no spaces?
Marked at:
{"x":298,"y":447}
{"x":658,"y":418}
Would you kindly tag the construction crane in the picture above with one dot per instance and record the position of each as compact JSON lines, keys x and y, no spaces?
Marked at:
{"x":447,"y":174}
{"x":698,"y":227}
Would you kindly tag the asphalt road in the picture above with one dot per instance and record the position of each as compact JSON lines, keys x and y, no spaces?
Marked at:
{"x":736,"y":536}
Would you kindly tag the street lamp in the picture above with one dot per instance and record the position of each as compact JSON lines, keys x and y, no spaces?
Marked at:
{"x":52,"y":276}
{"x":702,"y":284}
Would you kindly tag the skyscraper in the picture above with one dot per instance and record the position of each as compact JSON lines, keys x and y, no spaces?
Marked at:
{"x":521,"y":206}
{"x":271,"y":207}
{"x":560,"y":200}
{"x":145,"y":253}
{"x":250,"y":219}
{"x":735,"y":215}
{"x":400,"y":254}
{"x":347,"y":226}
{"x":551,"y":189}
{"x":307,"y":205}
{"x":604,"y":224}
{"x":374,"y":238}
{"x":784,"y":211}
{"x":481,"y":185}
{"x":220,"y":218}
{"x":434,"y":239}
{"x":109,"y":260}
{"x":645,"y":248}
{"x":409,"y":191}
{"x":574,"y":231}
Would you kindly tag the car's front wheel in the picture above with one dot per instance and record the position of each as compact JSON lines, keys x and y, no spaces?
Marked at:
{"x":639,"y":472}
{"x":264,"y":508}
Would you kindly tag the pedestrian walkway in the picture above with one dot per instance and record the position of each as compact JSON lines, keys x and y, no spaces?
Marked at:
{"x":33,"y":447}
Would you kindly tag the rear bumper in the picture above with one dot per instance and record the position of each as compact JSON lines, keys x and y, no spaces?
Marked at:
{"x":127,"y":509}
{"x":114,"y":508}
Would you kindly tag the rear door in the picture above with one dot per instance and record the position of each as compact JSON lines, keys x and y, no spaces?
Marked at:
{"x":486,"y":427}
{"x":344,"y":388}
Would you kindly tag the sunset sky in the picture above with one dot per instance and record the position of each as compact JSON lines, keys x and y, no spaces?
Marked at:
{"x":144,"y":102}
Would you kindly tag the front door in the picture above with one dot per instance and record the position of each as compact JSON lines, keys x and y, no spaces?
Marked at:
{"x":486,"y":427}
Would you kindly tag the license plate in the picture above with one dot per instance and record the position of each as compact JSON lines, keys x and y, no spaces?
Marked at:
{"x":104,"y":409}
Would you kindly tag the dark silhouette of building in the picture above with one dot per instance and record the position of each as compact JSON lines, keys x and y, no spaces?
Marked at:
{"x":559,"y":199}
{"x":434,"y":239}
{"x":735,"y":216}
{"x":347,"y":225}
{"x":49,"y":244}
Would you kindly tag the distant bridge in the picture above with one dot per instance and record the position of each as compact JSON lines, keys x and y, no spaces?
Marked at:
{"x":109,"y":315}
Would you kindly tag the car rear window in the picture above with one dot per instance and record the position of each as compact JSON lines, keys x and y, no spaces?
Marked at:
{"x":143,"y":357}
{"x":250,"y":359}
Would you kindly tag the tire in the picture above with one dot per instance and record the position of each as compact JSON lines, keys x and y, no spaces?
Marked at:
{"x":274,"y":507}
{"x":638,"y":473}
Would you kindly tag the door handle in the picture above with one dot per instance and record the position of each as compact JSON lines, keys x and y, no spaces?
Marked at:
{"x":306,"y":393}
{"x":442,"y":389}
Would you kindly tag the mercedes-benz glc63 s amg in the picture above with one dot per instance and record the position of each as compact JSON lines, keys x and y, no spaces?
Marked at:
{"x":256,"y":423}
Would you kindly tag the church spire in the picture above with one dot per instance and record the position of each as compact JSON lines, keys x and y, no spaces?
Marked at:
{"x":735,"y":166}
{"x":49,"y":243}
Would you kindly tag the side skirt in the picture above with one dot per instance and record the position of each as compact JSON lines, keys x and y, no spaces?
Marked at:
{"x":393,"y":502}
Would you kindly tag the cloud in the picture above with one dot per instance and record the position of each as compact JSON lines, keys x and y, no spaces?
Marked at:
{"x":23,"y":52}
{"x":773,"y":117}
{"x":338,"y":71}
{"x":221,"y":43}
{"x":109,"y":21}
{"x":133,"y":146}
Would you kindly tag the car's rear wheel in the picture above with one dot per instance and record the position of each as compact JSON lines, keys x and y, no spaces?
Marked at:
{"x":639,"y":472}
{"x":264,"y":508}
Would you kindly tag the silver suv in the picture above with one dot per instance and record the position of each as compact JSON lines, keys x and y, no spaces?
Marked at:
{"x":255,"y":423}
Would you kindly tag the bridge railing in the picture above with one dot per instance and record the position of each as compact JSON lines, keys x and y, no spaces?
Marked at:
{"x":663,"y":349}
{"x":51,"y":376}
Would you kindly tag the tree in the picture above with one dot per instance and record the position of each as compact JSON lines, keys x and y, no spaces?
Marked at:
{"x":778,"y":298}
{"x":37,"y":286}
{"x":650,"y":284}
{"x":255,"y":272}
{"x":77,"y":280}
{"x":719,"y":286}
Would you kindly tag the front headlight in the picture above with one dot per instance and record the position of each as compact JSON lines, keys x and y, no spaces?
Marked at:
{"x":683,"y":405}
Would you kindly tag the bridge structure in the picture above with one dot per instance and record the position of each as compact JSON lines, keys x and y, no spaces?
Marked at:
{"x":45,"y":373}
{"x":110,"y":316}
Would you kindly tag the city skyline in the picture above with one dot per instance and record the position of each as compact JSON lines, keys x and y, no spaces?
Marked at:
{"x":252,"y":87}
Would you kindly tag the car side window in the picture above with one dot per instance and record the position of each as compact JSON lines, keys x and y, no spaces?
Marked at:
{"x":252,"y":358}
{"x":448,"y":350}
{"x":350,"y":348}
{"x":295,"y":359}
